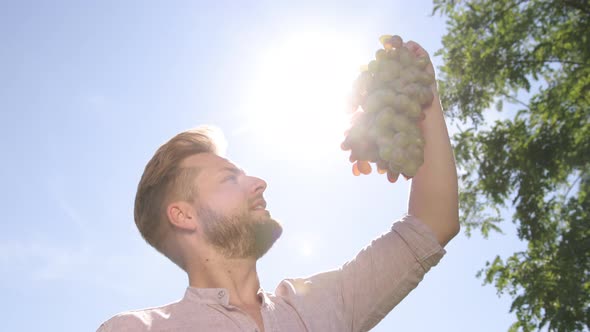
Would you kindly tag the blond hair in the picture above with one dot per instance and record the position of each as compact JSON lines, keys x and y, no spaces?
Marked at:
{"x":164,"y":180}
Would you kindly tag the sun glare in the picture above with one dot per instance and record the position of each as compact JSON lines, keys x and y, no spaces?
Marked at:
{"x":298,"y":97}
{"x":306,"y":249}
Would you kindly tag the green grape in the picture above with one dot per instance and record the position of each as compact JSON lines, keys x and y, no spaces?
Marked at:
{"x":372,"y":133}
{"x":388,"y":97}
{"x":381,"y":166}
{"x":410,"y":168}
{"x":392,"y":92}
{"x":392,"y":176}
{"x":363,"y":82}
{"x":393,"y":55}
{"x":412,"y":90}
{"x":413,"y":109}
{"x":415,"y":153}
{"x":370,"y":153}
{"x":396,"y":41}
{"x":355,"y":169}
{"x":386,"y":151}
{"x":417,"y":139}
{"x":364,"y":167}
{"x":397,"y":159}
{"x":401,"y":103}
{"x":359,"y":149}
{"x":373,"y":66}
{"x":382,"y":129}
{"x":400,"y":122}
{"x":385,"y":39}
{"x":425,"y":95}
{"x":372,"y":103}
{"x":402,"y":139}
{"x":384,"y":119}
{"x":397,"y":86}
{"x":395,"y":163}
{"x":385,"y":76}
{"x":391,"y":67}
{"x":386,"y":137}
{"x":380,"y":54}
{"x":405,"y":57}
{"x":413,"y":130}
{"x":356,"y":134}
{"x":422,"y":62}
{"x":407,"y":76}
{"x":424,"y":78}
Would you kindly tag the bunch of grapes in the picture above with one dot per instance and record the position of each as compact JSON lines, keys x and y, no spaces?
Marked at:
{"x":392,"y":92}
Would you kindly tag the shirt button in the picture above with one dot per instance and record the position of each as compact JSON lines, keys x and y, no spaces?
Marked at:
{"x":221,"y":294}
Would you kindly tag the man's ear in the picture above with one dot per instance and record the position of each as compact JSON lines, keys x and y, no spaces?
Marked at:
{"x":182,"y":215}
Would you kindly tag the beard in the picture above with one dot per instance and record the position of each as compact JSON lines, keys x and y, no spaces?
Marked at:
{"x":242,"y":235}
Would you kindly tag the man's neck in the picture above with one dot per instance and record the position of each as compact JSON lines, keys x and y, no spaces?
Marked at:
{"x":238,"y":276}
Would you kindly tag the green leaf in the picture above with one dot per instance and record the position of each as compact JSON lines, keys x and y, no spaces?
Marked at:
{"x":535,"y":164}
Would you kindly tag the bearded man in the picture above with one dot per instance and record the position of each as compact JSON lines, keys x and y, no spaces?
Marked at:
{"x":209,"y":217}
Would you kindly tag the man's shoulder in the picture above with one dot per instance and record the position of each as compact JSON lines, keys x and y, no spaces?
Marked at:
{"x":139,"y":319}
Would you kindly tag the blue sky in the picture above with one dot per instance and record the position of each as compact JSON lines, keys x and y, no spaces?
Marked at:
{"x":89,"y":90}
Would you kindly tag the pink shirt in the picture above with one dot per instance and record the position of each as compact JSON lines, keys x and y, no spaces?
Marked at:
{"x":354,"y":297}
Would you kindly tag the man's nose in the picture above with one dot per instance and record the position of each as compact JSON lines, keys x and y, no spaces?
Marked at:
{"x":258,"y":185}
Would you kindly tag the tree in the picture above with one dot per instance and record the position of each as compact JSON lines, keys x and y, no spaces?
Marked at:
{"x":537,"y":160}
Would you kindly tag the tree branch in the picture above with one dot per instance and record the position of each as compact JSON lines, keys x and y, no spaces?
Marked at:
{"x":577,"y":6}
{"x":583,"y":64}
{"x":499,"y":14}
{"x":515,"y":100}
{"x":572,"y":186}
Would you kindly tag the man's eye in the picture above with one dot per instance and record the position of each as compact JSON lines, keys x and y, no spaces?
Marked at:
{"x":230,"y":178}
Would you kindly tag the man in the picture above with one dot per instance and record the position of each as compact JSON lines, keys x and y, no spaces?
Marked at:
{"x":209,"y":217}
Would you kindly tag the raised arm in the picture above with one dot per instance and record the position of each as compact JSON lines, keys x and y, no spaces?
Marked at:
{"x":434,"y":189}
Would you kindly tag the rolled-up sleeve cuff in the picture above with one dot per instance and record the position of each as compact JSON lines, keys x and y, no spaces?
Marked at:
{"x":420,"y":239}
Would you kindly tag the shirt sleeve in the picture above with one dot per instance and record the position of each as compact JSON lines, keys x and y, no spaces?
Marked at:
{"x":104,"y":327}
{"x":127,"y":321}
{"x":365,"y":289}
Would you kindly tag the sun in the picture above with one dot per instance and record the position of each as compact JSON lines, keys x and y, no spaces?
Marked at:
{"x":297,"y":101}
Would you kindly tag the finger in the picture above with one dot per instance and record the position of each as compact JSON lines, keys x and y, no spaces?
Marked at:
{"x":420,"y":52}
{"x":415,"y":48}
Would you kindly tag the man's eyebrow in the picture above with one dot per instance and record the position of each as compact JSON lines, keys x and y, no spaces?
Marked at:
{"x":232,"y":169}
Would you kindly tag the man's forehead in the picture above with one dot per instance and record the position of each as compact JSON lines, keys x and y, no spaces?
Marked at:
{"x":208,"y":162}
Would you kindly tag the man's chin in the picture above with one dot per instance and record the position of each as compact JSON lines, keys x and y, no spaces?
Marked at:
{"x":249,"y":235}
{"x":259,"y":212}
{"x":266,"y":232}
{"x":261,"y":217}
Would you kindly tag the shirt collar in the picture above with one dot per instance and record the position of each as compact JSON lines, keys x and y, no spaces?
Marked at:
{"x":217,"y":296}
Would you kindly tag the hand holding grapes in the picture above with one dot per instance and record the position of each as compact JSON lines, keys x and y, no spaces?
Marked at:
{"x":392,"y":92}
{"x":420,"y":52}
